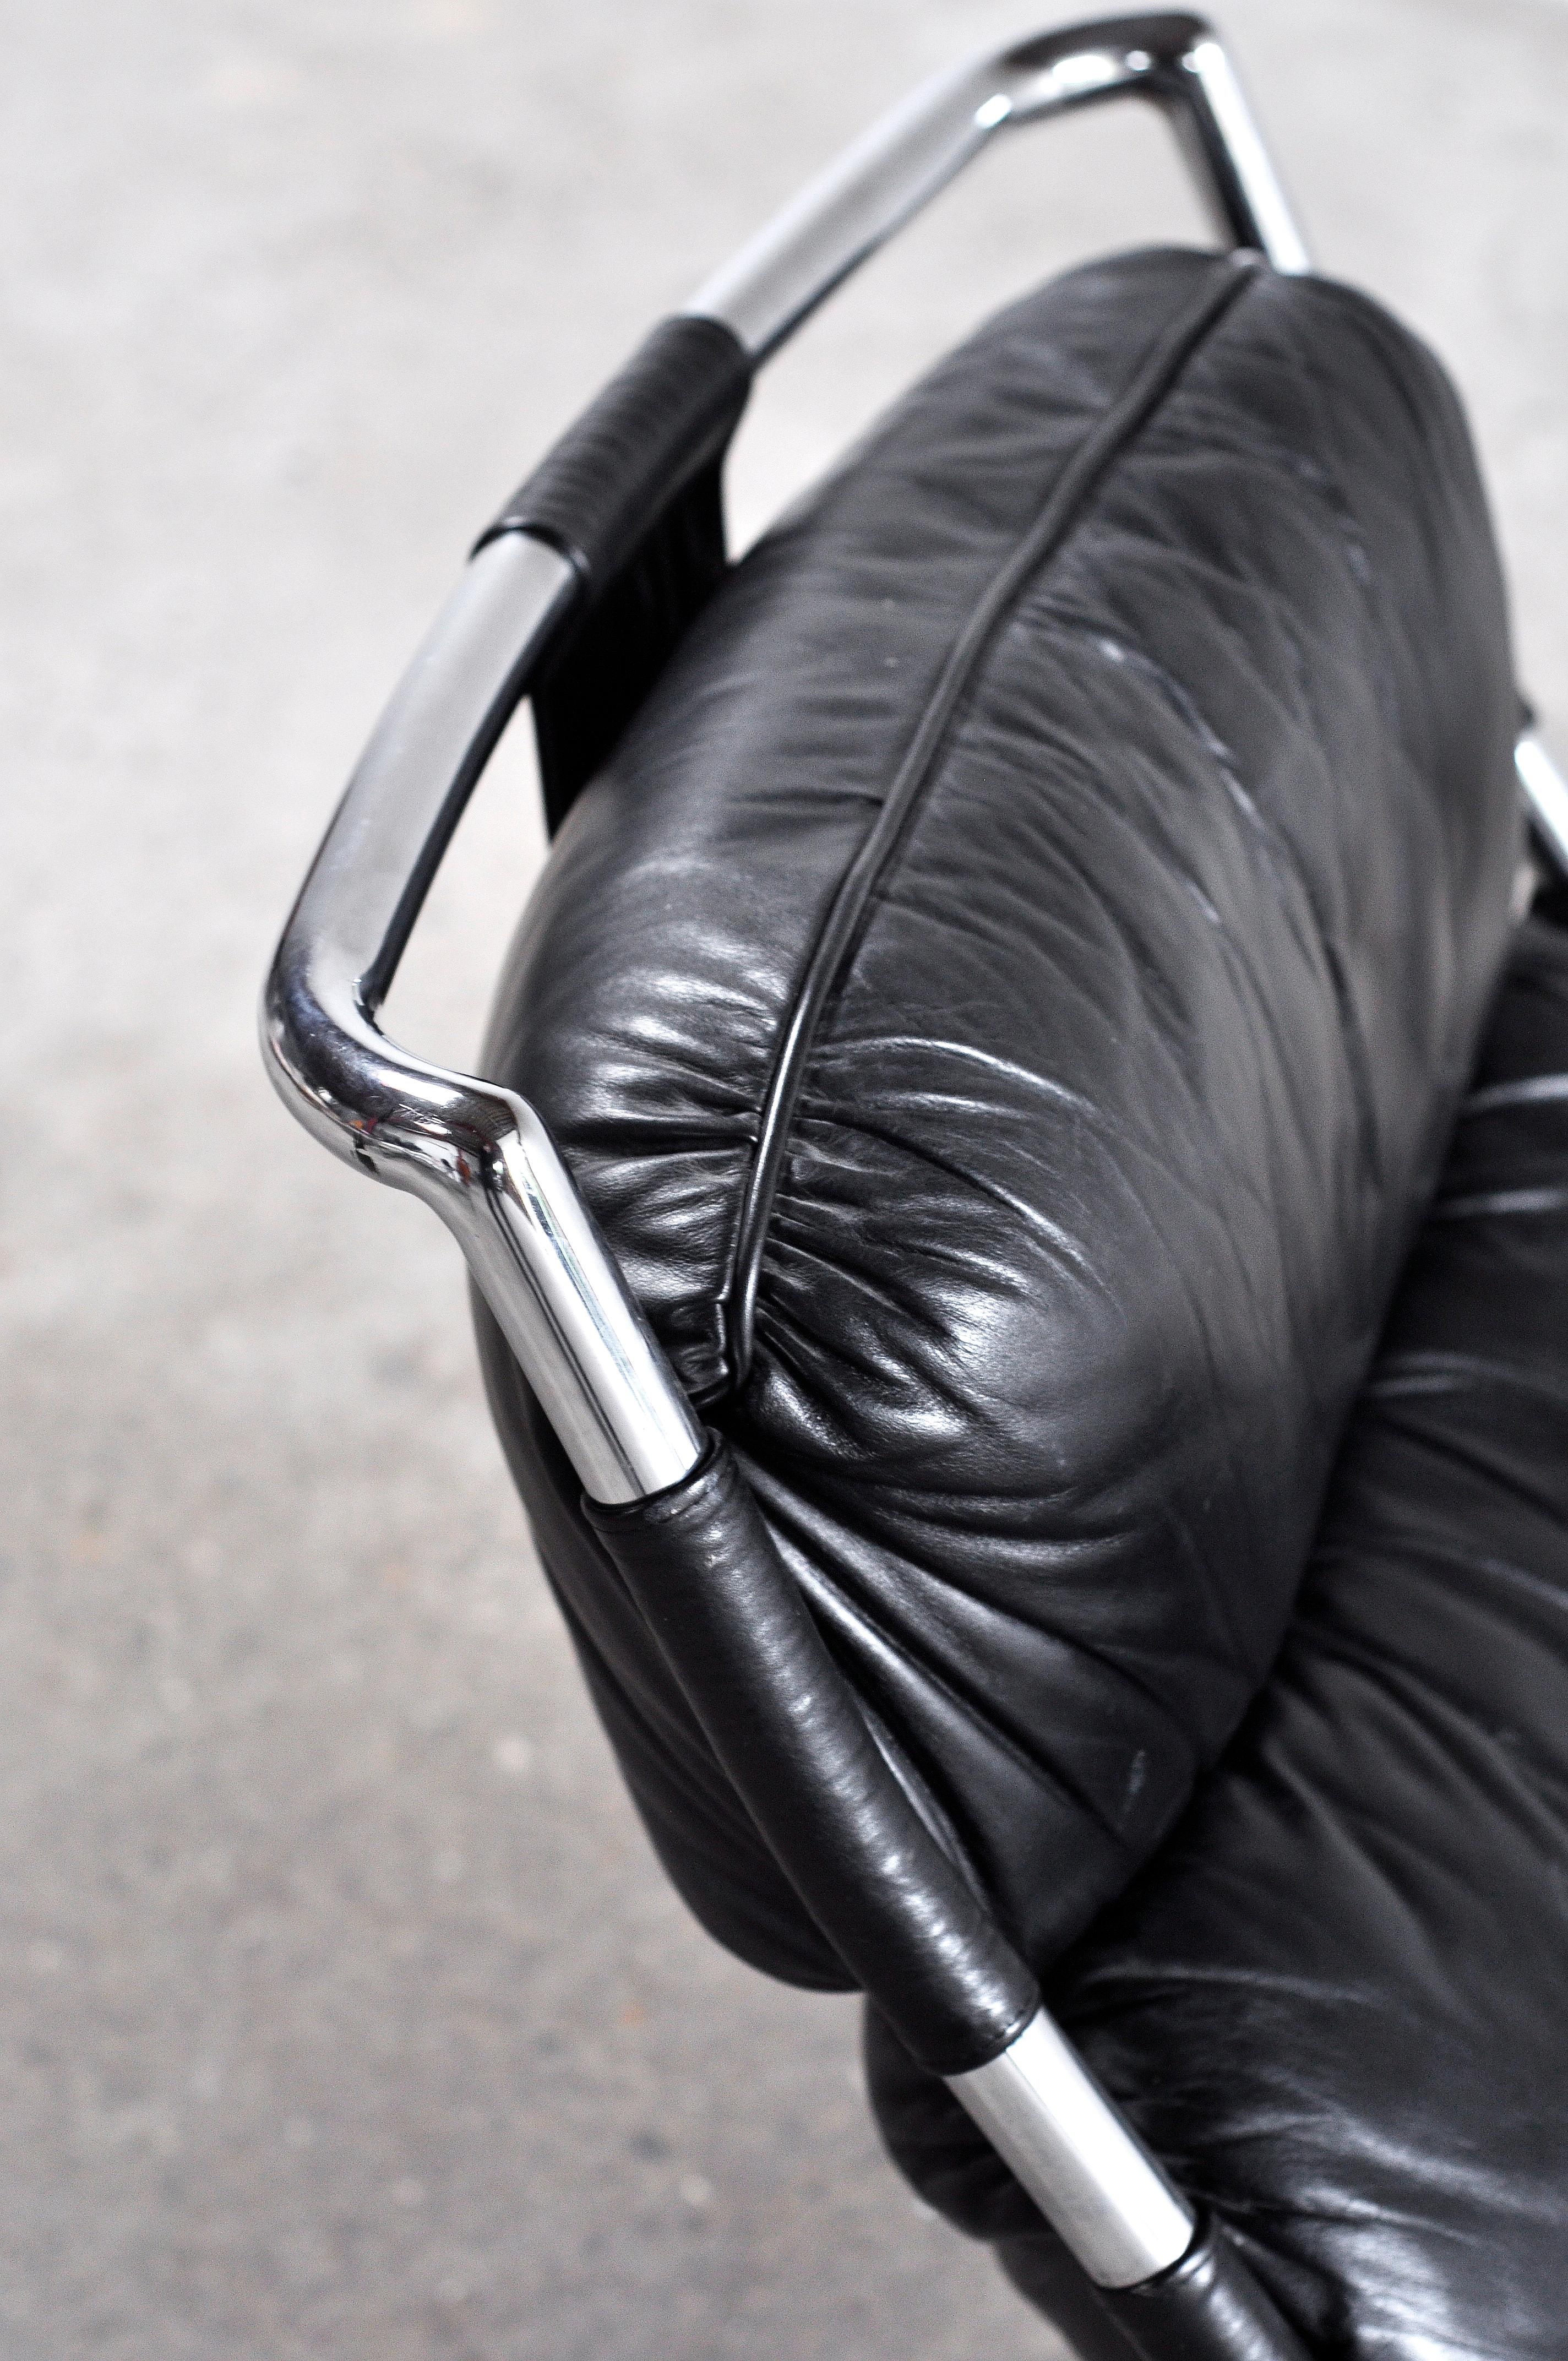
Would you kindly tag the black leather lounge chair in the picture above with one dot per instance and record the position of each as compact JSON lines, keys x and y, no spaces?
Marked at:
{"x":1020,"y":1216}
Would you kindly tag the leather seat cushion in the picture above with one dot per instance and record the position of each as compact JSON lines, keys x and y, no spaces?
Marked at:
{"x":1006,"y":1000}
{"x":1335,"y":2003}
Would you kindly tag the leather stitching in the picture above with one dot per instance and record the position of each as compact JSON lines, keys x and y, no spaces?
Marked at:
{"x":1074,"y":487}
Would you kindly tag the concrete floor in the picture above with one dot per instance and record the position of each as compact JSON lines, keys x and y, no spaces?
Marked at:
{"x":344,"y":2012}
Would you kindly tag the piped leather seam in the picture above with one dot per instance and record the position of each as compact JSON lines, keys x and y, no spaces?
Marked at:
{"x":1063,"y":509}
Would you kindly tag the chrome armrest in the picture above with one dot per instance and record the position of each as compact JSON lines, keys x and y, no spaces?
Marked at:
{"x":476,"y":1153}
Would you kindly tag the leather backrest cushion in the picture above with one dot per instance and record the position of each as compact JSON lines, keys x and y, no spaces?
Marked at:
{"x":1006,"y":1000}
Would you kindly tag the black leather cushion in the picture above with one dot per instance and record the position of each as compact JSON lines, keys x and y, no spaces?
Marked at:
{"x":1335,"y":2005}
{"x":1095,"y":804}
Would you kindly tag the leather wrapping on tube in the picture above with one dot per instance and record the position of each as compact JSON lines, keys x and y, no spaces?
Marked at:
{"x":1207,"y":2308}
{"x":670,"y":412}
{"x":632,"y":494}
{"x":703,"y":1570}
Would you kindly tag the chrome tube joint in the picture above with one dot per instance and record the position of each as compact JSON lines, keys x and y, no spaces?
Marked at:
{"x":1092,"y":2177}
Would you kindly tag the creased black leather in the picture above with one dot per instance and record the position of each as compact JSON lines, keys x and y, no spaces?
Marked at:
{"x":1334,"y":2004}
{"x":1136,"y":1075}
{"x":701,"y":1567}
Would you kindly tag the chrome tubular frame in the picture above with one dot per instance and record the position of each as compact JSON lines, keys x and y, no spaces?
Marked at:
{"x":1546,"y":799}
{"x":478,"y":1154}
{"x":484,"y":1160}
{"x":1093,"y":2180}
{"x":838,"y":220}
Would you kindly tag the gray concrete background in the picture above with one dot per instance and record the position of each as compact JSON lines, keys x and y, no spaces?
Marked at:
{"x":344,"y":2013}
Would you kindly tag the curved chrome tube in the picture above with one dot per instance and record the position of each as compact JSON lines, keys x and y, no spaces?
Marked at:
{"x":841,"y":218}
{"x":478,"y":1154}
{"x":475,"y":1153}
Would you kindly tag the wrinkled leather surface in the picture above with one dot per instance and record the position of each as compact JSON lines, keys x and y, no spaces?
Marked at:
{"x":1335,"y":2003}
{"x":1137,"y":1072}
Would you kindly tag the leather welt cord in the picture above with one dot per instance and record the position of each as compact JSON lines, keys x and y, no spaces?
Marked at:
{"x":1073,"y":489}
{"x":729,"y":1619}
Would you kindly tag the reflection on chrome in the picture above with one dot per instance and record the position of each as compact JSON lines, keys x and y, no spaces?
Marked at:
{"x":1175,"y":62}
{"x":1546,"y":799}
{"x":479,"y":1154}
{"x":1102,"y":2193}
